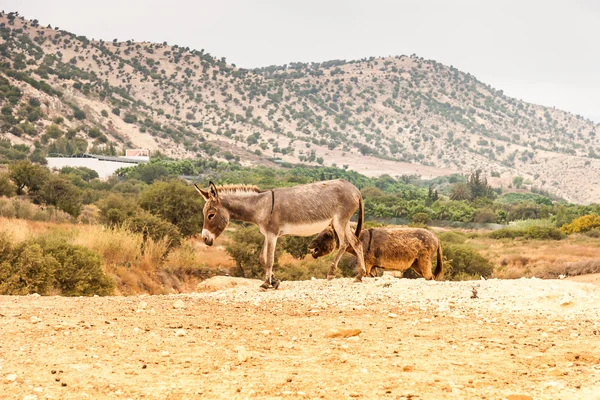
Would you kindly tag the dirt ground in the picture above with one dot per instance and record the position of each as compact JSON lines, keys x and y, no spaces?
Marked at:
{"x":418,"y":339}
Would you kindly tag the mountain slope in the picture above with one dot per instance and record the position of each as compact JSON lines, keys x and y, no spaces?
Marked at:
{"x":380,"y":115}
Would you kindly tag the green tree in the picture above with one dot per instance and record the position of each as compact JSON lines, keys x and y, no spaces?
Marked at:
{"x":60,"y":193}
{"x":7,"y":188}
{"x":149,"y":172}
{"x":116,"y":208}
{"x":27,"y":175}
{"x":460,"y":191}
{"x":479,"y":186}
{"x":296,"y":246}
{"x":518,"y":181}
{"x":176,"y":202}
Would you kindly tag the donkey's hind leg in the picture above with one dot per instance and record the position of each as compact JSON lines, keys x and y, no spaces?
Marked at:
{"x":423,"y":267}
{"x":347,"y":237}
{"x":358,"y":249}
{"x":343,"y":245}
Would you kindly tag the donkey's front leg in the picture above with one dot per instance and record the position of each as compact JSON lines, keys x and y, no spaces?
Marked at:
{"x":267,"y":259}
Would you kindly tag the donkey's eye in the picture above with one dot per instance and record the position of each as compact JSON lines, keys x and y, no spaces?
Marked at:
{"x":211,"y":216}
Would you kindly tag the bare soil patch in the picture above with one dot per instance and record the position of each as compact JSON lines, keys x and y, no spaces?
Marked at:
{"x":418,"y":339}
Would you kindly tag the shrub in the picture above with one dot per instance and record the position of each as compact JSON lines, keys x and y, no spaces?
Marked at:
{"x":245,"y":248}
{"x":26,"y":269}
{"x":544,"y":233}
{"x":304,"y":270}
{"x":24,"y":209}
{"x":151,"y":226}
{"x":582,"y":224}
{"x":80,"y":272}
{"x":420,"y":218}
{"x":148,"y":172}
{"x":84,"y":173}
{"x":594,"y":233}
{"x":78,"y":114}
{"x":531,"y":232}
{"x":116,"y":208}
{"x":452,"y":237}
{"x":296,"y":246}
{"x":27,"y":175}
{"x":485,"y":216}
{"x":176,"y":203}
{"x":129,"y":118}
{"x":7,"y":188}
{"x":60,"y":193}
{"x":463,"y":263}
{"x":90,"y":214}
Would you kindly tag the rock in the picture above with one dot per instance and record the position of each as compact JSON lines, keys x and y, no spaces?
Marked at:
{"x":242,"y":354}
{"x":566,"y":301}
{"x":178,"y":304}
{"x":342,"y":333}
{"x":408,"y":368}
{"x":11,"y":377}
{"x":35,"y":320}
{"x":392,"y":315}
{"x":180,"y":332}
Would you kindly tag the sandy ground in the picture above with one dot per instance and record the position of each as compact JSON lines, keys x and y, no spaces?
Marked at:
{"x":425,"y":340}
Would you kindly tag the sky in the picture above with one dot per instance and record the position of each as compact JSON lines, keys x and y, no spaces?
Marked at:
{"x":543,"y":52}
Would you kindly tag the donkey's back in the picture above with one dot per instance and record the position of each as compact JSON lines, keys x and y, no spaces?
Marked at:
{"x":308,"y":209}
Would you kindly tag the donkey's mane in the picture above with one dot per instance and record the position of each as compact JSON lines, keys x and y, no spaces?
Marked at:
{"x":227,"y":189}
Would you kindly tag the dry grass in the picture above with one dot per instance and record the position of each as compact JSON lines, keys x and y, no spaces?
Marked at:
{"x":137,"y":266}
{"x":116,"y":245}
{"x":575,"y":255}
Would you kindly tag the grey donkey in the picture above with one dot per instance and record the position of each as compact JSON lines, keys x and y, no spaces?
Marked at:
{"x":302,"y":210}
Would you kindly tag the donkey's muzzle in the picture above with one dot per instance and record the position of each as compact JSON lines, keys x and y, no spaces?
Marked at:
{"x":315,"y":252}
{"x":208,"y":237}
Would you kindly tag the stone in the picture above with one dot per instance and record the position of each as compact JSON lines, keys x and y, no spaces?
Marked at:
{"x":242,"y":354}
{"x":342,"y":333}
{"x":178,"y":304}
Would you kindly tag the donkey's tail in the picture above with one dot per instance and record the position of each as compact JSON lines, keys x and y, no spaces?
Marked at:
{"x":361,"y":217}
{"x":439,"y":268}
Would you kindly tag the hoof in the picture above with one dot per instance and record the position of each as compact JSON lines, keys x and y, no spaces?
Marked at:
{"x":276,"y":283}
{"x":265,"y":285}
{"x":358,"y":279}
{"x":330,"y":277}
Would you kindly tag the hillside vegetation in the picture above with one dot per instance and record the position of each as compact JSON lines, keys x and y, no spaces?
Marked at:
{"x":63,"y":93}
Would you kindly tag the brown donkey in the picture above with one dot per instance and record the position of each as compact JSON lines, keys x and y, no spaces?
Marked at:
{"x":390,"y":248}
{"x":302,"y":210}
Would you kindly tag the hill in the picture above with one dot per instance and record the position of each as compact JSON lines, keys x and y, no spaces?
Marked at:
{"x":63,"y":93}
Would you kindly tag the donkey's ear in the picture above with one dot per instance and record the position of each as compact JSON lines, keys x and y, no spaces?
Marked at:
{"x":212,"y":190}
{"x":203,"y":193}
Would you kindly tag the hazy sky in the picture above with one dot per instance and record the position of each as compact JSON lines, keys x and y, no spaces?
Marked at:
{"x":545,"y":52}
